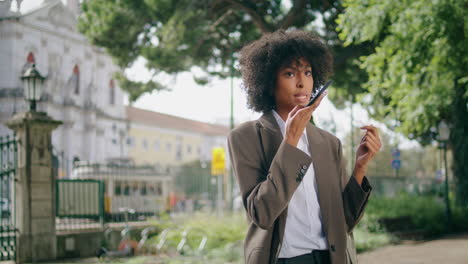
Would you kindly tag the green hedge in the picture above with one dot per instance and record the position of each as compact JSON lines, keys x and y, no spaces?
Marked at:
{"x":425,"y":213}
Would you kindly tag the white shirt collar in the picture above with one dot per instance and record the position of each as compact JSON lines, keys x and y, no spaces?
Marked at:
{"x":280,"y":122}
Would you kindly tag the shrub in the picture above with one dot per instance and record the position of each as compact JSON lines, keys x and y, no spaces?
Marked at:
{"x":426,"y":213}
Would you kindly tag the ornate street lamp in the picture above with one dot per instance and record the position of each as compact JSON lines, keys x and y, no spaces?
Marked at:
{"x":33,"y":82}
{"x":444,"y":135}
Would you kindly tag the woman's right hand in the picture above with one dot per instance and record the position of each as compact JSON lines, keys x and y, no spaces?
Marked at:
{"x":298,"y":119}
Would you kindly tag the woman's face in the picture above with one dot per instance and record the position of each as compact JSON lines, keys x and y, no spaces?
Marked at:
{"x":294,"y":85}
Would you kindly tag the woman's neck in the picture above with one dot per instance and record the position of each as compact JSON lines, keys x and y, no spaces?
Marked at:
{"x":283,"y":113}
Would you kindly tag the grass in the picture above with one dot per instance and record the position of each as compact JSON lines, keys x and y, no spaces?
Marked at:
{"x":226,"y":233}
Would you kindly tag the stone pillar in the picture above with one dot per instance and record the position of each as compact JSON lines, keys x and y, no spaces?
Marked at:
{"x":35,"y":187}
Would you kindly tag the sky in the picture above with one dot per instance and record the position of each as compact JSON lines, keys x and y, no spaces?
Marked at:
{"x":211,"y":103}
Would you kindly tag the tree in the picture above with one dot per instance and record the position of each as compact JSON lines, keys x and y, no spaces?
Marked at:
{"x":417,"y":71}
{"x":175,"y":35}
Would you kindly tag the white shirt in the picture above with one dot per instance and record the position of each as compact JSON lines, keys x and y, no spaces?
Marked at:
{"x":303,"y":232}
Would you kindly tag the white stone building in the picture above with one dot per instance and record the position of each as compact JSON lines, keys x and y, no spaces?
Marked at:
{"x":79,"y":89}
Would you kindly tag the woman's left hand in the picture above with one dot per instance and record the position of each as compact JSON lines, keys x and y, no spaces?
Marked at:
{"x":368,"y":148}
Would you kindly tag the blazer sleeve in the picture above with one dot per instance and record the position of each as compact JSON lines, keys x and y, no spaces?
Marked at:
{"x":355,"y":195}
{"x":265,"y":193}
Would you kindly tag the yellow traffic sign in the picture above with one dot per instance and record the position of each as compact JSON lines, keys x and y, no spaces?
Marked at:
{"x":217,"y":161}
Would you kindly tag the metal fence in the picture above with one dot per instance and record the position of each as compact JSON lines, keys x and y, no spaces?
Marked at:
{"x":390,"y":186}
{"x":97,"y":195}
{"x":196,"y":189}
{"x":80,"y":204}
{"x":8,"y":166}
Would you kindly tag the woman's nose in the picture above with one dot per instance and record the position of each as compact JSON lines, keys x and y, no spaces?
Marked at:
{"x":300,"y":82}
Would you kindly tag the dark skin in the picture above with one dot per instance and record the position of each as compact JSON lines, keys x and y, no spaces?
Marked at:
{"x":292,"y":92}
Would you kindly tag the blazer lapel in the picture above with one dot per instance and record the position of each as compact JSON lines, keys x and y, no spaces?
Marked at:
{"x":316,"y":146}
{"x":271,"y":136}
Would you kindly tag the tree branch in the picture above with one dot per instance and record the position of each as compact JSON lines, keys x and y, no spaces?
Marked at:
{"x":258,"y":20}
{"x":289,"y":19}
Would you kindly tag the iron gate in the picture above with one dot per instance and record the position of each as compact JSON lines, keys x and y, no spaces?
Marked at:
{"x":8,"y":166}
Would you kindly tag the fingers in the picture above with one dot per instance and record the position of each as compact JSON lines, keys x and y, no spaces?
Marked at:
{"x":303,"y":115}
{"x":372,"y":129}
{"x":373,"y":133}
{"x":371,"y":138}
{"x":372,"y":148}
{"x":294,"y":110}
{"x":317,"y":103}
{"x":370,"y":145}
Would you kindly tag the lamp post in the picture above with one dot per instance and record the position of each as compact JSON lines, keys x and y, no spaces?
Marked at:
{"x":231,"y":173}
{"x":33,"y":82}
{"x":444,"y":134}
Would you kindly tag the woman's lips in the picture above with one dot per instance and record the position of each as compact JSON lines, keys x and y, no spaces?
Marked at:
{"x":301,"y":97}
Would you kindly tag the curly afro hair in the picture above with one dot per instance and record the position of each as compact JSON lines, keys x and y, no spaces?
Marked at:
{"x":260,"y":61}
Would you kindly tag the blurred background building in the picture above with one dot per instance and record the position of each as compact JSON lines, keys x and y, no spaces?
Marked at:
{"x":165,"y":140}
{"x":79,"y":90}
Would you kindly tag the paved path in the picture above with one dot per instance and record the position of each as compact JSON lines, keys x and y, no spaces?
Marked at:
{"x":447,"y":250}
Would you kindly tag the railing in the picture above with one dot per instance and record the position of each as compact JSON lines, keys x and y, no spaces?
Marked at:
{"x":390,"y":186}
{"x":148,"y":190}
{"x":8,"y":166}
{"x":98,"y":194}
{"x":80,"y":204}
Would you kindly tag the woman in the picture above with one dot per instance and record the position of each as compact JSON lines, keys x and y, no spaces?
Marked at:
{"x":300,"y":204}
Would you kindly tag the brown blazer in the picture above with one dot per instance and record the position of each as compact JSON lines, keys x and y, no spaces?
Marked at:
{"x":268,"y":172}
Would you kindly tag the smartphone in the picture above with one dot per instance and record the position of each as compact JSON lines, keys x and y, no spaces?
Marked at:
{"x":317,"y":93}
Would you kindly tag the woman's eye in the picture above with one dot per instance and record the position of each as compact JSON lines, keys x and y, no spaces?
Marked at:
{"x":308,"y":73}
{"x":289,"y":74}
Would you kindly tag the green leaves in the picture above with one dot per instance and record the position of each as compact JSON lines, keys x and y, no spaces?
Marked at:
{"x":417,"y":71}
{"x":115,"y":26}
{"x":412,"y":69}
{"x":135,"y":89}
{"x":174,"y":36}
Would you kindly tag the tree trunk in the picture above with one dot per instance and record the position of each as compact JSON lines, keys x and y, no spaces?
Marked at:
{"x":459,"y":144}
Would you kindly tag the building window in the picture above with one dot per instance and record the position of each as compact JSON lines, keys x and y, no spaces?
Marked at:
{"x":130,"y":141}
{"x":199,"y":150}
{"x":157,"y":145}
{"x":111,"y":92}
{"x":151,"y":190}
{"x":158,"y":188}
{"x":75,"y":80}
{"x":189,"y":149}
{"x":135,"y":188}
{"x":143,"y":190}
{"x":118,"y":189}
{"x":114,"y":141}
{"x":168,"y":147}
{"x":145,"y":144}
